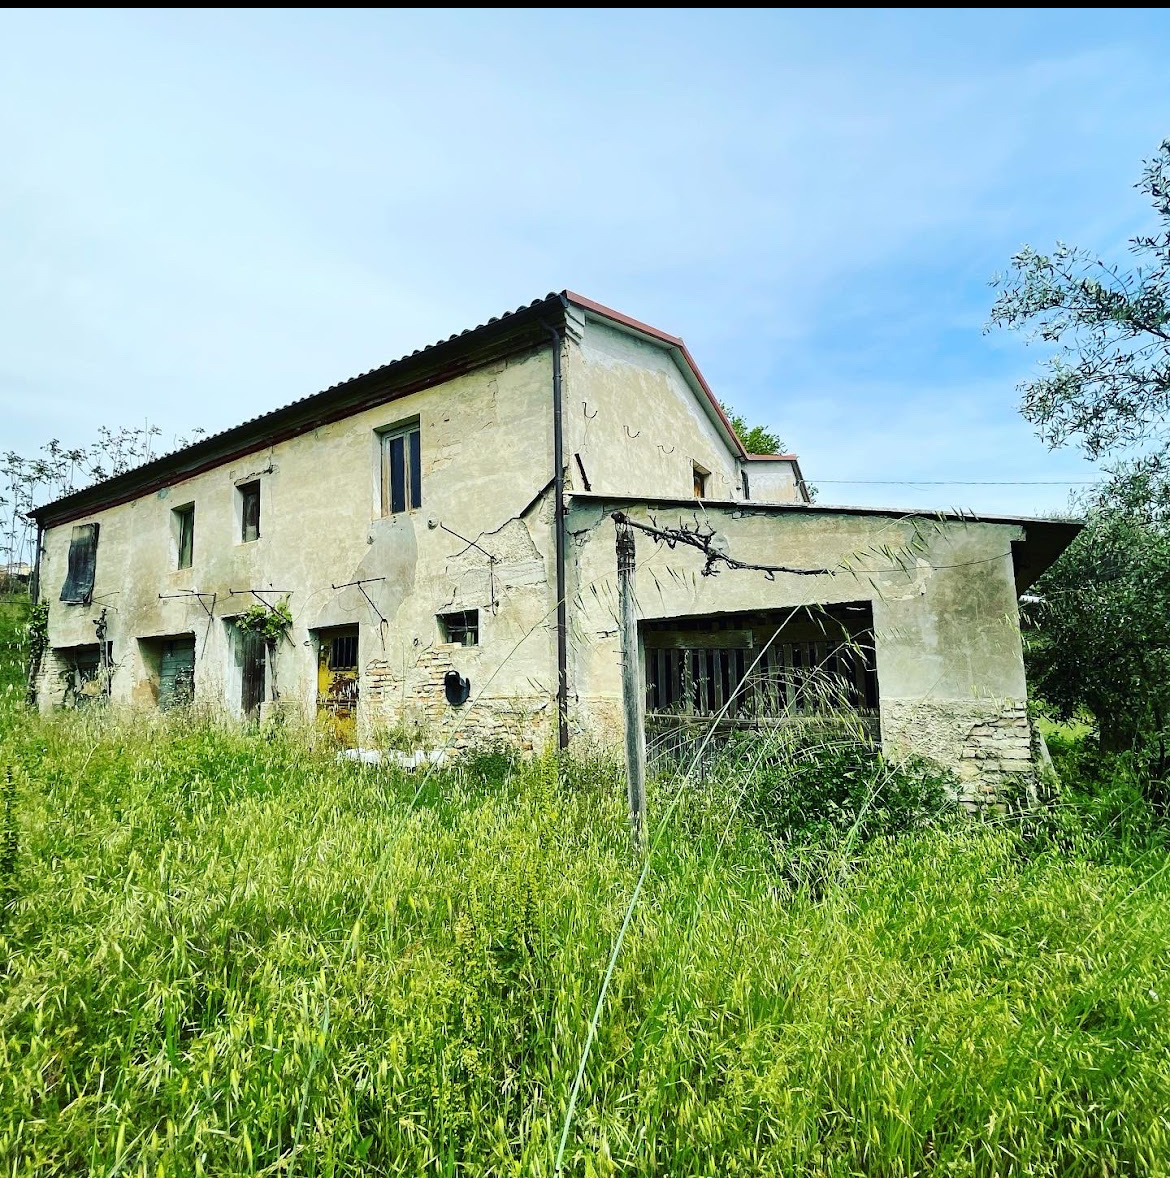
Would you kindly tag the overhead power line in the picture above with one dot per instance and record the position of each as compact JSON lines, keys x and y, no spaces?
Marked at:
{"x":959,"y":482}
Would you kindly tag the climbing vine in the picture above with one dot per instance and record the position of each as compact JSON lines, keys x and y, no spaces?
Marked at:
{"x":271,"y":621}
{"x":37,"y":631}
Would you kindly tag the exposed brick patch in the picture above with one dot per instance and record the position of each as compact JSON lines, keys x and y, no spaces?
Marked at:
{"x":417,"y":701}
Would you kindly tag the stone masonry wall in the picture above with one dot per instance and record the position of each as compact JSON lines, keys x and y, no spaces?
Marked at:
{"x":984,"y":741}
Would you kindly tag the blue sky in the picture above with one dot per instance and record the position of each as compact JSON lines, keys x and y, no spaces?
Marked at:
{"x":204,"y":215}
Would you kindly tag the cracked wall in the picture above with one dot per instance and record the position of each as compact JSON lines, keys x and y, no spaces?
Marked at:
{"x":943,"y":598}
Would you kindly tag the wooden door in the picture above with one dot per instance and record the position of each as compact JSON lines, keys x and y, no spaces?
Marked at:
{"x":253,"y":652}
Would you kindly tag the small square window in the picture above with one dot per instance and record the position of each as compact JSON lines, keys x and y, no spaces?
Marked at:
{"x":183,"y":522}
{"x":701,"y":478}
{"x":401,"y":469}
{"x":461,"y":628}
{"x":249,"y":511}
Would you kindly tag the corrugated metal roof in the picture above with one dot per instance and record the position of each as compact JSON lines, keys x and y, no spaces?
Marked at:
{"x":306,"y":412}
{"x":210,"y":443}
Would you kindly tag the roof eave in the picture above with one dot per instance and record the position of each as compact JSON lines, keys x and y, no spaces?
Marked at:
{"x":682,"y":357}
{"x":420,"y":369}
{"x":1043,"y":542}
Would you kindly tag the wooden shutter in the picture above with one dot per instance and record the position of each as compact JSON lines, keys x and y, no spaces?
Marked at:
{"x":177,"y":673}
{"x":415,"y":469}
{"x":78,"y":587}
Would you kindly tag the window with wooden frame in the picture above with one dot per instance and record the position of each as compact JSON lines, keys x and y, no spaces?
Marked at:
{"x":461,"y":627}
{"x":183,"y":522}
{"x":401,"y":477}
{"x":701,"y":478}
{"x":249,"y":495}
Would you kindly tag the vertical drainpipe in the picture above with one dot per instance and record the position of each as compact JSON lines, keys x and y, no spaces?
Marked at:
{"x":559,"y":527}
{"x":35,"y":587}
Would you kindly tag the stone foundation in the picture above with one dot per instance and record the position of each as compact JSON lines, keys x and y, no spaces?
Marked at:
{"x":983,"y":741}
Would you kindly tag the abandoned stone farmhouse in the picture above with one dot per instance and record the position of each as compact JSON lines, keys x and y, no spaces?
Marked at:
{"x":441,"y":530}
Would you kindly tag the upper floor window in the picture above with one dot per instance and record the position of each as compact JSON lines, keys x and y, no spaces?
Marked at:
{"x":79,"y":576}
{"x":183,"y":522}
{"x":249,"y":495}
{"x":401,"y":468}
{"x":701,"y":478}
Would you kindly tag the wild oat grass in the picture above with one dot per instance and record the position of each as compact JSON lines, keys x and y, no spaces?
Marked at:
{"x":223,"y":953}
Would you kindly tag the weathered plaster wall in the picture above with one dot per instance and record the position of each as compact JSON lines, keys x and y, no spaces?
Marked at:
{"x":636,"y":423}
{"x":949,"y":657}
{"x":943,"y":597}
{"x":486,"y":444}
{"x":771,"y":482}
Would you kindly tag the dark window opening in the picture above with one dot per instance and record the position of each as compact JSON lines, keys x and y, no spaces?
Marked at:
{"x":250,"y":512}
{"x":461,"y":628}
{"x":401,"y":469}
{"x":701,"y":477}
{"x":78,"y":587}
{"x":185,"y":534}
{"x":85,"y":674}
{"x":740,"y":668}
{"x":747,"y":491}
{"x":343,"y":652}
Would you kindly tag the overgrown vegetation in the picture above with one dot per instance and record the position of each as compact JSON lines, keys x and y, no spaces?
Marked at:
{"x":225,"y":953}
{"x":1106,"y":604}
{"x":271,"y":622}
{"x":15,"y":638}
{"x":1099,"y":642}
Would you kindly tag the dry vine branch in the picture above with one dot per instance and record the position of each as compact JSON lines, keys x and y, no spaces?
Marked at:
{"x":713,"y":547}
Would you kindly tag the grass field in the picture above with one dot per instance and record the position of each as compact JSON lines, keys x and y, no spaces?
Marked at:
{"x":223,"y":953}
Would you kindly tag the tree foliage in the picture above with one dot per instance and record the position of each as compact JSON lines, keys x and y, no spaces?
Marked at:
{"x":272,"y":622}
{"x":1100,"y":632}
{"x":1107,"y":387}
{"x":1098,"y":636}
{"x":756,"y":439}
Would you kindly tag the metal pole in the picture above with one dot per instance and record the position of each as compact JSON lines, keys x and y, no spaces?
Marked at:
{"x":632,"y":693}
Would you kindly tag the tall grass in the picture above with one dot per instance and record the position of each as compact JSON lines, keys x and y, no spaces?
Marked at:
{"x":224,"y":953}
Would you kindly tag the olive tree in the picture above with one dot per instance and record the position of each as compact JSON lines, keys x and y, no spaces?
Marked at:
{"x":1100,"y":634}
